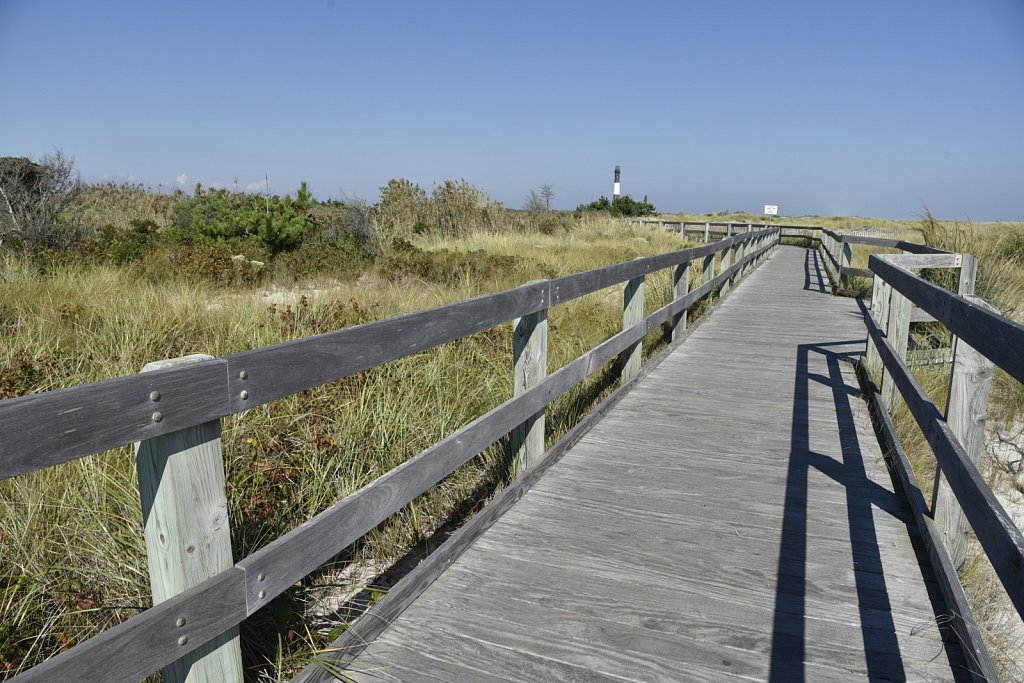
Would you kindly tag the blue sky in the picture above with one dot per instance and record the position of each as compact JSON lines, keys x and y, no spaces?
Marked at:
{"x":867,"y":108}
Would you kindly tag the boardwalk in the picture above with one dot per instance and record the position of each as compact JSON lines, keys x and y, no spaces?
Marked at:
{"x":731,"y":518}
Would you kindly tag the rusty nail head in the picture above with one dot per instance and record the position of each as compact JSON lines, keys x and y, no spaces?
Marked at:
{"x":154,"y":396}
{"x":157,"y":416}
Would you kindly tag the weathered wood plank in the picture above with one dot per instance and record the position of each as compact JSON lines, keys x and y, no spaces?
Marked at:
{"x":269,"y":373}
{"x":56,"y":426}
{"x":298,"y":552}
{"x":897,"y":333}
{"x":966,"y":412}
{"x":978,"y":662}
{"x":632,"y":313}
{"x":996,"y":531}
{"x":997,"y":338}
{"x":919,"y":261}
{"x":46,"y":429}
{"x":373,"y":623}
{"x":680,"y":288}
{"x":530,"y":366}
{"x":654,"y":515}
{"x":188,"y":538}
{"x":573,"y":286}
{"x":143,"y":644}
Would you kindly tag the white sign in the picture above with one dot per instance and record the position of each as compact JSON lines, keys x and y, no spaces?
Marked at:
{"x":771,"y":209}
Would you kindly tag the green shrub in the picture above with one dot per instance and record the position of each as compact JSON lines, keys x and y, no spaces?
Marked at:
{"x":445,"y":266}
{"x":210,"y":263}
{"x":278,"y":223}
{"x":126,"y":246}
{"x":345,"y":260}
{"x":621,"y":206}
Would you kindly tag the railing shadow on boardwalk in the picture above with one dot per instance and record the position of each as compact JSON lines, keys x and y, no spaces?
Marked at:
{"x":815,"y":283}
{"x":789,"y":632}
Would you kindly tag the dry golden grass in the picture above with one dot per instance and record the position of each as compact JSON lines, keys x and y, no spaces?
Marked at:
{"x":73,"y":561}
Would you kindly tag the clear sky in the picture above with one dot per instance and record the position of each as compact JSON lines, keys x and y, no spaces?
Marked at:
{"x":873,"y":107}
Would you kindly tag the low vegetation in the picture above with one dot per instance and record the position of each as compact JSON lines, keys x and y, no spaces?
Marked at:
{"x":1000,"y":281}
{"x":99,"y":280}
{"x":623,"y":205}
{"x":150,"y":276}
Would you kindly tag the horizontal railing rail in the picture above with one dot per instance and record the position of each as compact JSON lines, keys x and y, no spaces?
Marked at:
{"x":838,"y":253}
{"x":961,"y":499}
{"x":49,"y":428}
{"x":56,"y":426}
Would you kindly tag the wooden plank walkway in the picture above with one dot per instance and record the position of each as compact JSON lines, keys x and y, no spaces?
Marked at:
{"x":731,"y":518}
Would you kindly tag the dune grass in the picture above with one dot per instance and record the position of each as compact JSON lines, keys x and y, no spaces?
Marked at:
{"x":1000,"y":281}
{"x":73,"y":561}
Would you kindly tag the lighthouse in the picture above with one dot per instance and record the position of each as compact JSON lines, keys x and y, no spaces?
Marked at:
{"x":615,"y":186}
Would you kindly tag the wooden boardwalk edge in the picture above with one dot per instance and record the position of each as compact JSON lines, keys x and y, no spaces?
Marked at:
{"x":375,"y":620}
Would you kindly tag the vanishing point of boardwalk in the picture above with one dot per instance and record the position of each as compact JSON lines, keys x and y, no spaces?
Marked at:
{"x":731,"y":518}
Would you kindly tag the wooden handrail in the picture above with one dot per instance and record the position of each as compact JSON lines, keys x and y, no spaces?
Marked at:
{"x":45,"y":429}
{"x":998,"y":338}
{"x":961,"y":494}
{"x":166,"y":632}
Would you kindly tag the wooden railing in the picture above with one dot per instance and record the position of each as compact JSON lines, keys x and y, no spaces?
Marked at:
{"x":173,"y":411}
{"x":961,"y":499}
{"x":838,"y":252}
{"x":717,"y":229}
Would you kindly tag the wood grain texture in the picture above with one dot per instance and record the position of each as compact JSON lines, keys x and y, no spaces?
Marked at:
{"x":897,"y":331}
{"x":188,"y":538}
{"x":977,"y":659}
{"x":680,"y":288}
{"x":632,"y":313}
{"x":918,"y":261}
{"x":46,"y":429}
{"x":145,"y":643}
{"x":995,"y":529}
{"x":725,"y":264}
{"x":774,"y":550}
{"x":344,"y":650}
{"x":573,"y":286}
{"x":966,"y":413}
{"x":347,"y":647}
{"x":994,"y":336}
{"x":530,"y":366}
{"x":272,"y":372}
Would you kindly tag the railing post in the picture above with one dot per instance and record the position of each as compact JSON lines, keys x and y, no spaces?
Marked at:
{"x":897,"y":330}
{"x":632,"y":313}
{"x":708,"y":273}
{"x":707,"y":229}
{"x":879,"y":302}
{"x":725,"y":264}
{"x":966,"y":409}
{"x":681,"y":287}
{"x":188,"y":539}
{"x":965,"y":283}
{"x":845,"y":259}
{"x":530,"y":361}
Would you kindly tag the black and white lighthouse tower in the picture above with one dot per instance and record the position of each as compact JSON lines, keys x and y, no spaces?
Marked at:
{"x":615,"y":187}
